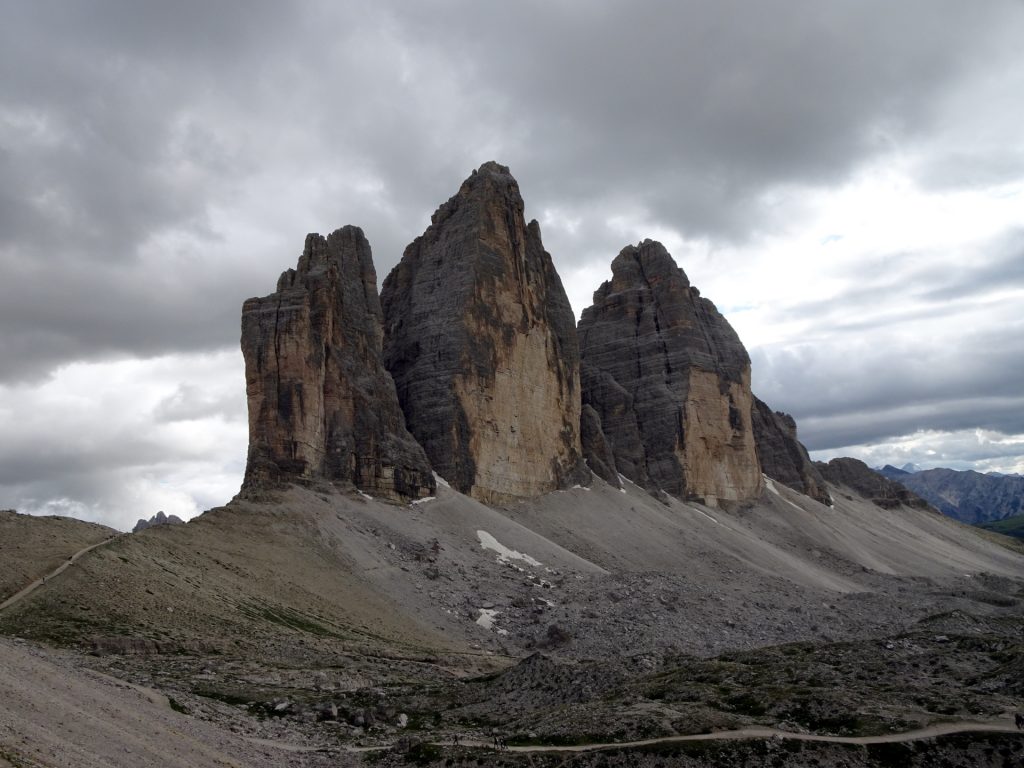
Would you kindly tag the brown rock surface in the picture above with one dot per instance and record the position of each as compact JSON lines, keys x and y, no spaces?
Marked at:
{"x":481,"y":342}
{"x":783,"y":457}
{"x":321,"y":404}
{"x":670,"y":381}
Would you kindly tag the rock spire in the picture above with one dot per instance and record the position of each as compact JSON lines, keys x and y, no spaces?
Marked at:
{"x":321,"y":404}
{"x":669,"y":381}
{"x":481,"y":342}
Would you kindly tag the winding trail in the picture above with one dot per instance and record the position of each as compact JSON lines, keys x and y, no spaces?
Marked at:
{"x":21,"y":595}
{"x":939,"y":729}
{"x":742,"y":734}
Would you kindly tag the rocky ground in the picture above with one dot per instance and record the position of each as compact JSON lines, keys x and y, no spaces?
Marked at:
{"x":329,"y":621}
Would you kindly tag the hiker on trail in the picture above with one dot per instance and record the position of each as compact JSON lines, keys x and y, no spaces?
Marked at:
{"x":455,"y":740}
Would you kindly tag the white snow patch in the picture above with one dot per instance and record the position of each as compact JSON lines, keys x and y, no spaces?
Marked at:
{"x":580,"y":487}
{"x":504,"y":553}
{"x":709,"y":517}
{"x":440,"y":480}
{"x":771,"y":485}
{"x":424,"y":500}
{"x":365,"y":495}
{"x":486,"y":617}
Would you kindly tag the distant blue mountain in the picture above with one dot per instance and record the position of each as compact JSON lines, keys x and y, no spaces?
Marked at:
{"x":971,"y":497}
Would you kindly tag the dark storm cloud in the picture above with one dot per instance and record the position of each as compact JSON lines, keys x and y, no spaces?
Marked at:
{"x":126,"y":120}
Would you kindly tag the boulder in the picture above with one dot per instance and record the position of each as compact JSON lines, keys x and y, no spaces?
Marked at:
{"x":321,"y":403}
{"x":481,"y":342}
{"x":670,"y":381}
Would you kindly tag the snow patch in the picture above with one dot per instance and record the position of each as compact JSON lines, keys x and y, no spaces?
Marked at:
{"x":424,"y":500}
{"x":440,"y":480}
{"x":580,"y":487}
{"x":771,"y":486}
{"x":504,"y":553}
{"x":486,"y":617}
{"x":365,"y":495}
{"x":709,"y":517}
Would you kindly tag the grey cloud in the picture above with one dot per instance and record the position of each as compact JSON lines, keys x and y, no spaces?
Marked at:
{"x":847,"y":393}
{"x":151,"y":119}
{"x":190,"y":402}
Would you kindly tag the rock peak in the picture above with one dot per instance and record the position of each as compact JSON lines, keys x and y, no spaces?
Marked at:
{"x":669,"y":381}
{"x":651,"y":259}
{"x":481,"y":342}
{"x":321,"y":404}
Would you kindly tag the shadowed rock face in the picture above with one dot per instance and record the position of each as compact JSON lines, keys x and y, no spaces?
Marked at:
{"x":782,"y":456}
{"x":859,"y":477}
{"x":670,"y":381}
{"x":321,"y":403}
{"x":481,"y":342}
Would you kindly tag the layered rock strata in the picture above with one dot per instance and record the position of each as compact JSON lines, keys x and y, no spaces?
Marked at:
{"x":782,"y":456}
{"x":321,"y":403}
{"x":670,"y":382}
{"x":480,"y":340}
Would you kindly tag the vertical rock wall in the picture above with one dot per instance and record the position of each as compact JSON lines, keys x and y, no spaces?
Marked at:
{"x":481,"y":342}
{"x":321,"y":404}
{"x":782,"y":456}
{"x":670,"y":382}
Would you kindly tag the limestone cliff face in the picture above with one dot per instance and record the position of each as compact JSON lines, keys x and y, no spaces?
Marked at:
{"x":321,"y":403}
{"x":670,"y":381}
{"x":481,"y":342}
{"x":782,"y":456}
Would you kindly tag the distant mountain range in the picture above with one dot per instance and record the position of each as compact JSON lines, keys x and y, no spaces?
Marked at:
{"x":968,"y":496}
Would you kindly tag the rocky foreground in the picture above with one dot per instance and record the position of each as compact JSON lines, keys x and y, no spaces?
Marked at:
{"x":328,"y":621}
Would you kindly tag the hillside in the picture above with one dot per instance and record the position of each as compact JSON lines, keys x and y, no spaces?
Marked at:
{"x":327,"y":596}
{"x":33,"y":546}
{"x":968,"y":496}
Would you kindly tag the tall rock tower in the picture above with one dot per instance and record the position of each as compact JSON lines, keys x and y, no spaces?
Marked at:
{"x":669,"y":381}
{"x":321,"y":404}
{"x":481,"y":342}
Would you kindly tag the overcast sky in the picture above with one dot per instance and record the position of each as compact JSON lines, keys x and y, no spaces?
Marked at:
{"x":844,"y":179}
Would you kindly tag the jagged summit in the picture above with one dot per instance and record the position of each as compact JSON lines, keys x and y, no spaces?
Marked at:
{"x":669,"y":380}
{"x":469,"y":364}
{"x":481,"y":342}
{"x":321,"y":404}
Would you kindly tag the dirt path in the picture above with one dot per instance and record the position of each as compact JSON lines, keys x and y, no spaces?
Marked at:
{"x":19,"y":596}
{"x":939,"y":729}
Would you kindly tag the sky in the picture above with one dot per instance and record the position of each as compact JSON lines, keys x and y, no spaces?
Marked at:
{"x":845,"y":180}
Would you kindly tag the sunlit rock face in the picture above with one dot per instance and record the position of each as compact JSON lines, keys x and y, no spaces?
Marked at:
{"x":669,"y":380}
{"x":481,"y":341}
{"x":321,"y":403}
